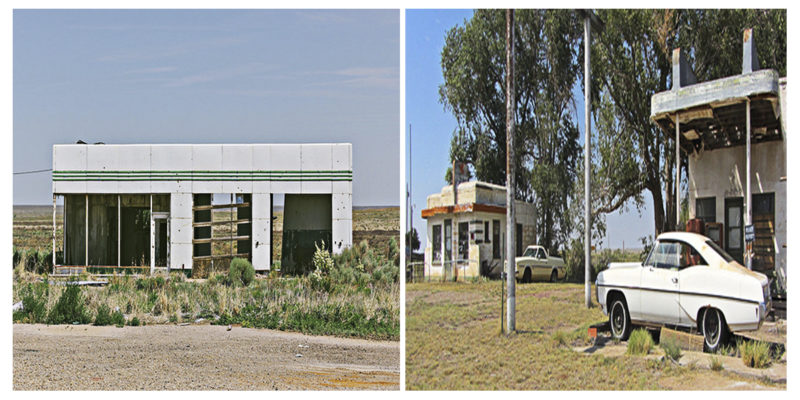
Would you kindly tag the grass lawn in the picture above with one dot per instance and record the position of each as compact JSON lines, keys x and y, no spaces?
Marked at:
{"x":453,"y":341}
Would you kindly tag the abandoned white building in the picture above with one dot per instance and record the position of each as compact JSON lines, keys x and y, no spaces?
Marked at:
{"x":734,"y":132}
{"x":466,"y":230}
{"x":151,"y":205}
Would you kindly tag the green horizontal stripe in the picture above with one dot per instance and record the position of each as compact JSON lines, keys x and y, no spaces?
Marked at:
{"x":208,"y":172}
{"x":236,"y":179}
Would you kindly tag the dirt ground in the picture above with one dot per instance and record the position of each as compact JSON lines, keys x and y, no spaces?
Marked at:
{"x":169,"y":357}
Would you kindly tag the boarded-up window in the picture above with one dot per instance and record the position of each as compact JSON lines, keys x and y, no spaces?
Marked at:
{"x":436,"y":243}
{"x":764,"y":222}
{"x":496,"y":239}
{"x":706,"y":209}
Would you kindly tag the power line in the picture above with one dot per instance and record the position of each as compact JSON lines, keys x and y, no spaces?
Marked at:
{"x":33,"y":172}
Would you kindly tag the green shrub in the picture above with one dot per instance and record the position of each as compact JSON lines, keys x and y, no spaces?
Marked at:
{"x":70,"y":308}
{"x":134,"y":321}
{"x":640,"y":342}
{"x":103,"y":316}
{"x":118,"y":319}
{"x":34,"y":304}
{"x":755,"y":353}
{"x":671,"y":348}
{"x":150,"y":284}
{"x":241,"y":272}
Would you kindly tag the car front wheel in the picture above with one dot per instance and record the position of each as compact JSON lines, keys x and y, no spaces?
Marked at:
{"x":715,"y":330}
{"x":526,"y":277}
{"x":553,"y":276}
{"x":619,"y":319}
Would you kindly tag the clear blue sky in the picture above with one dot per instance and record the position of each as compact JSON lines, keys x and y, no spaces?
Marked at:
{"x":214,"y":76}
{"x":432,"y":126}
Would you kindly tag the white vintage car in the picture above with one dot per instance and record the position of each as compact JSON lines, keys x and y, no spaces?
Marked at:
{"x":536,"y":265}
{"x":687,"y":280}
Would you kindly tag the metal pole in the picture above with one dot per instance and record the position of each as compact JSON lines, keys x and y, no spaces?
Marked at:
{"x":510,"y":186}
{"x":410,"y":198}
{"x":748,"y":196}
{"x":677,"y":170}
{"x":587,"y":149}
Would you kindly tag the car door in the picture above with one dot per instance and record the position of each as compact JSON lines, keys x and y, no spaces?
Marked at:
{"x":659,"y":283}
{"x":693,"y":281}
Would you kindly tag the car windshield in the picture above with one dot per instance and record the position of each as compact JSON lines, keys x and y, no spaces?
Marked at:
{"x":529,"y":252}
{"x":727,"y":257}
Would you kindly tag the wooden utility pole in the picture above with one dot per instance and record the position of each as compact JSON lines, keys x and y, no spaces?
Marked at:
{"x":510,"y":187}
{"x":587,"y":151}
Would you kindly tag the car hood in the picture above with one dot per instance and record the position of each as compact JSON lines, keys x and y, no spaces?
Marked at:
{"x":615,"y":265}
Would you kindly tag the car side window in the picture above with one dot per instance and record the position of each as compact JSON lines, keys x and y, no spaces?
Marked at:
{"x":665,"y":255}
{"x":540,"y":254}
{"x":689,"y":257}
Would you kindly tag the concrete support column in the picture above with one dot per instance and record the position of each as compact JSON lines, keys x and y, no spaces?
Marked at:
{"x":342,"y":224}
{"x":677,"y":170}
{"x":119,"y":230}
{"x":511,"y":303}
{"x":180,"y":230}
{"x":261,"y":241}
{"x":54,"y":232}
{"x":152,"y":238}
{"x":86,"y":231}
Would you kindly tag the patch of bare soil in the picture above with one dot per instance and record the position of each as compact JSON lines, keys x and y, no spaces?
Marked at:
{"x":168,"y":357}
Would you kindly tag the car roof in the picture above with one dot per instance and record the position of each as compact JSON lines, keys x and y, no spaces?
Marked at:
{"x":692,"y":238}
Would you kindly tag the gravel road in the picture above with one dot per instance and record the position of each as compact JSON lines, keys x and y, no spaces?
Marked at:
{"x":204,"y":357}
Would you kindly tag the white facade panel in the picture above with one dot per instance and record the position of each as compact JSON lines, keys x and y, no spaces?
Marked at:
{"x":342,"y":204}
{"x":180,"y":205}
{"x":261,"y":157}
{"x":315,"y":187}
{"x":341,"y":157}
{"x":341,"y":234}
{"x":316,"y":157}
{"x":342,"y":187}
{"x":286,"y":187}
{"x":172,"y":157}
{"x":69,"y":157}
{"x":102,"y":158}
{"x":180,"y":255}
{"x":285,"y":157}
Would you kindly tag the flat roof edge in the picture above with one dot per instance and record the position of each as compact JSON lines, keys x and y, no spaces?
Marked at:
{"x":718,"y":91}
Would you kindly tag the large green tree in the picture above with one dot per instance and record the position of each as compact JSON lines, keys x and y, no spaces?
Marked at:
{"x":547,"y":149}
{"x":631,"y":61}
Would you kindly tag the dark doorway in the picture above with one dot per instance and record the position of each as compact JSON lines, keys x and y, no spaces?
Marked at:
{"x":734,"y":228}
{"x":463,"y":240}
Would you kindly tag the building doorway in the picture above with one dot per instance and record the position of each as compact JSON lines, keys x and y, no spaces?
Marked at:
{"x":734,"y":228}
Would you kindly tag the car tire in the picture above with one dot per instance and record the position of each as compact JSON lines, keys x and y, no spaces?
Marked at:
{"x":526,"y":276}
{"x":714,"y":329}
{"x":554,"y":276}
{"x":619,"y":319}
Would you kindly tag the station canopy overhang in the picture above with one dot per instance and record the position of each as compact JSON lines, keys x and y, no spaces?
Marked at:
{"x":712,"y":114}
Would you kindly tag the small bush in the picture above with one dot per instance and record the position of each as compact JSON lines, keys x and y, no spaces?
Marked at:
{"x":755,"y":354}
{"x":134,"y":321}
{"x":70,"y":308}
{"x":34,"y":304}
{"x":118,"y":319}
{"x":561,"y":338}
{"x":716,"y":363}
{"x":103,"y":316}
{"x":241,"y":272}
{"x":671,"y":348}
{"x":150,"y":284}
{"x":640,"y":342}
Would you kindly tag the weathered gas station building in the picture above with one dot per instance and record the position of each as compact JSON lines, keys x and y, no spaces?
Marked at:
{"x":466,"y":230}
{"x":151,"y":204}
{"x":733,"y":130}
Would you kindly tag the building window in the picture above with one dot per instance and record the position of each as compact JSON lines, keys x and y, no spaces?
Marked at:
{"x":706,"y":209}
{"x":486,"y":232}
{"x":764,"y":225}
{"x":436,"y":243}
{"x":448,"y":239}
{"x":518,"y":237}
{"x":496,"y":239}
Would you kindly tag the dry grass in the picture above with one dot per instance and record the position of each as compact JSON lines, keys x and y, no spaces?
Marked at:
{"x":453,"y":342}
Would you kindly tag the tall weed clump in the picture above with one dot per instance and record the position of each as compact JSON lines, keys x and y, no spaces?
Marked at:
{"x":34,"y":304}
{"x":70,"y":308}
{"x":241,"y":272}
{"x":640,"y":342}
{"x":755,"y":354}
